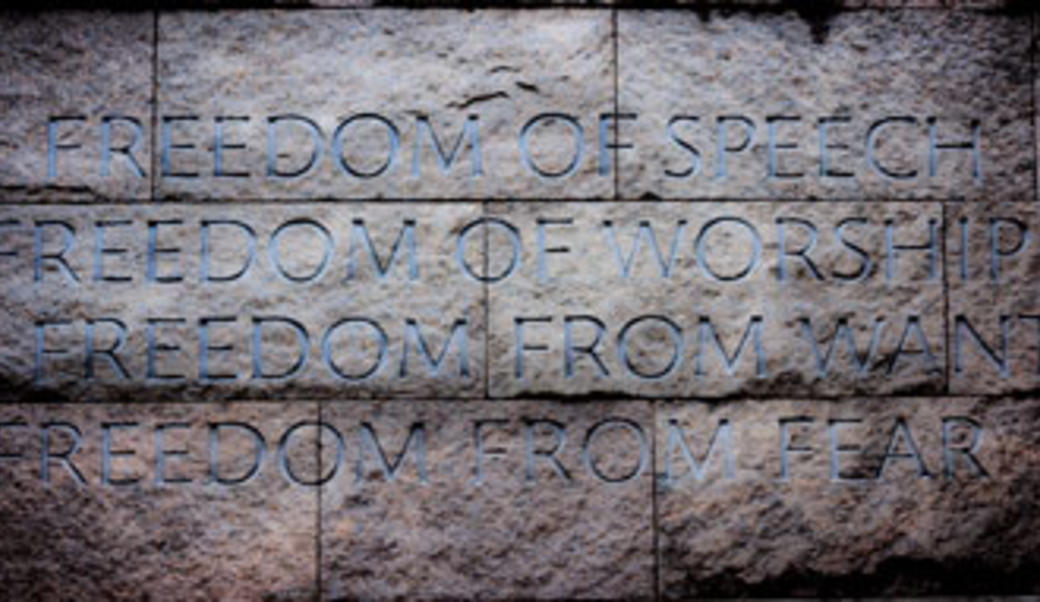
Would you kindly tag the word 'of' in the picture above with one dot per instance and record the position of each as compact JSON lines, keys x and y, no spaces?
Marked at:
{"x":304,"y":251}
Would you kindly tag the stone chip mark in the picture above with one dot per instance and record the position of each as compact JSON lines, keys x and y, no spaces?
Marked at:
{"x":477,"y":99}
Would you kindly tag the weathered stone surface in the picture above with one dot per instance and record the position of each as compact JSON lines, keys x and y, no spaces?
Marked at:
{"x":407,"y":332}
{"x":994,"y":304}
{"x":829,"y":6}
{"x":522,"y":531}
{"x":331,"y":66}
{"x":728,"y":285}
{"x":734,"y":72}
{"x":82,"y":531}
{"x":355,"y":301}
{"x":919,"y":521}
{"x":89,"y":66}
{"x":958,"y":4}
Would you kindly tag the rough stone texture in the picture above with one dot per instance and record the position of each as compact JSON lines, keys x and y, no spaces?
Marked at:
{"x":436,"y":300}
{"x":959,"y":4}
{"x":826,"y":6}
{"x":506,"y":538}
{"x":829,"y":5}
{"x":186,"y":541}
{"x":586,"y":282}
{"x":330,"y":65}
{"x":957,"y":66}
{"x":994,"y":297}
{"x":858,"y":514}
{"x":810,"y":535}
{"x":74,"y":64}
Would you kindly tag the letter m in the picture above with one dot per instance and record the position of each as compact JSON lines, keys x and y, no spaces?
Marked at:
{"x":676,"y":439}
{"x":412,"y":336}
{"x":445,"y":160}
{"x":370,"y":442}
{"x":405,"y":239}
{"x":708,"y":336}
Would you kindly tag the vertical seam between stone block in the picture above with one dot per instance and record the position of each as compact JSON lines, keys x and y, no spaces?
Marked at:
{"x":1032,"y":89}
{"x":319,"y":594}
{"x":153,"y":182}
{"x":617,"y":137}
{"x":487,"y":302}
{"x":654,"y":405}
{"x":946,"y":297}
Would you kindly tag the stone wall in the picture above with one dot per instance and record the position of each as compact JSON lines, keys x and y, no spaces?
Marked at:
{"x":613,"y":301}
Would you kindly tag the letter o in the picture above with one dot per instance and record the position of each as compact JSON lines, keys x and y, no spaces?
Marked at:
{"x":753,"y":261}
{"x":276,"y":261}
{"x":283,"y":453}
{"x":614,"y":424}
{"x":677,"y":342}
{"x":579,"y":144}
{"x":393,"y":137}
{"x":326,"y":348}
{"x":462,"y":245}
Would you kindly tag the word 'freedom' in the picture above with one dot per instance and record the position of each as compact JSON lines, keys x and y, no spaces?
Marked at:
{"x":552,"y":146}
{"x":534,"y":449}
